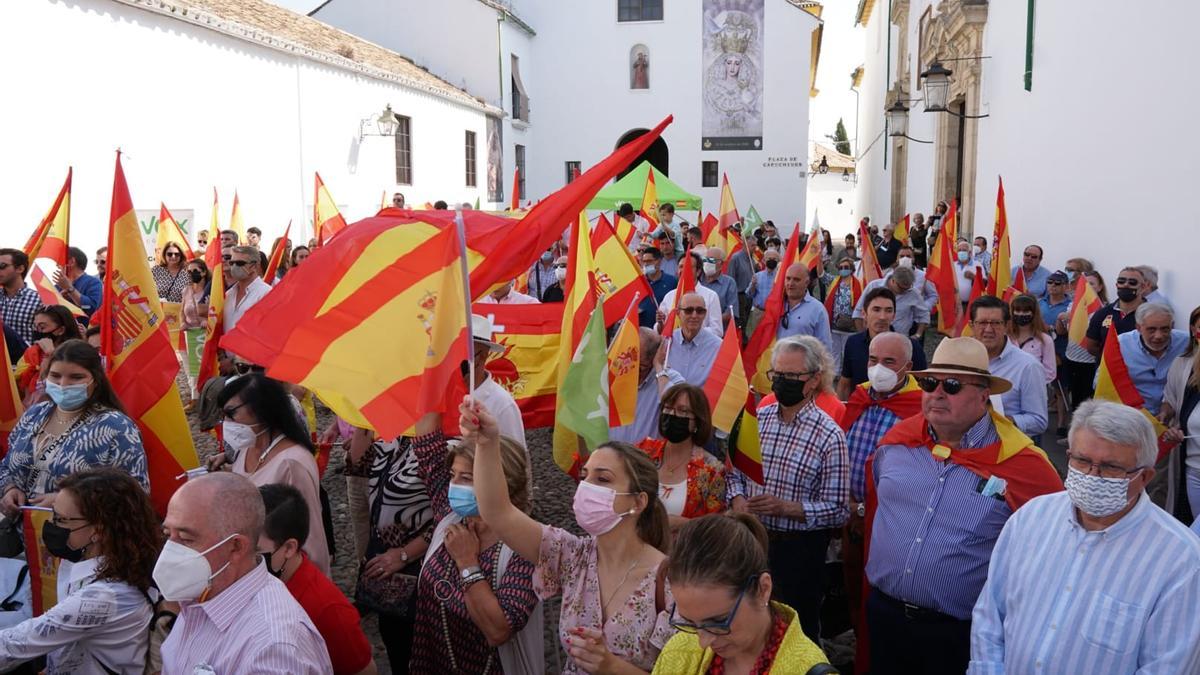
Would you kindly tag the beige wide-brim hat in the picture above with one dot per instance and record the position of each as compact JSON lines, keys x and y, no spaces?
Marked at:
{"x":964,"y":356}
{"x":481,"y":331}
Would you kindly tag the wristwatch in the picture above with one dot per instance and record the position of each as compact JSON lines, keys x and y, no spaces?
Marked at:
{"x":861,"y":510}
{"x":404,"y":556}
{"x":661,"y":373}
{"x":469,"y":570}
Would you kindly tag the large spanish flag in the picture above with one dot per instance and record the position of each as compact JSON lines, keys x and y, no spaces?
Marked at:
{"x":52,"y":236}
{"x":726,"y":387}
{"x":941,"y":272}
{"x":757,"y":355}
{"x":1113,"y":383}
{"x":623,"y":355}
{"x":170,"y":232}
{"x":1083,"y":305}
{"x":374,"y":325}
{"x":528,"y":366}
{"x":1000,"y":274}
{"x":327,"y":219}
{"x":618,"y":276}
{"x":138,"y":351}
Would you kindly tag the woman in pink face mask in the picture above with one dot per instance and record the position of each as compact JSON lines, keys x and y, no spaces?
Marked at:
{"x":615,"y":598}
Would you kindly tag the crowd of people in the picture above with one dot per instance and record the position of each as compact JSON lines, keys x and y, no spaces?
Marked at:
{"x":961,"y":547}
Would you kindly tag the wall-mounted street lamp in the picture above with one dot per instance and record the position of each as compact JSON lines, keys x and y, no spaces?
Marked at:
{"x":385,"y":123}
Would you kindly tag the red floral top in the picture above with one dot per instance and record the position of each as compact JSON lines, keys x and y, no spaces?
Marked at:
{"x":705,"y":479}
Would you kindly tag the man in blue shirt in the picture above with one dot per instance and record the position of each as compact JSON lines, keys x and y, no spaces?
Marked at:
{"x":82,"y":290}
{"x":721,"y":284}
{"x":764,"y":280}
{"x":660,"y":283}
{"x":1150,"y":350}
{"x":802,"y":313}
{"x":1025,"y":403}
{"x":1035,"y":274}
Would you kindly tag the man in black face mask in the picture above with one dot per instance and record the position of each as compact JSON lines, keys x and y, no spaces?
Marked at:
{"x":806,"y":477}
{"x":1129,"y":297}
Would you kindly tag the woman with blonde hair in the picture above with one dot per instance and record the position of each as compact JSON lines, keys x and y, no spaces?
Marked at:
{"x":614,"y":596}
{"x":169,"y":274}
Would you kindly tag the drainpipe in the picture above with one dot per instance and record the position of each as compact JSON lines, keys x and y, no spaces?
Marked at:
{"x":887,"y":76}
{"x":1029,"y":47}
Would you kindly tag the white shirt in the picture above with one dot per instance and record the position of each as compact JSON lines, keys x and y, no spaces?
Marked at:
{"x":712,"y":318}
{"x":235,"y":309}
{"x":513,"y":298}
{"x":508,"y":417}
{"x":98,"y":625}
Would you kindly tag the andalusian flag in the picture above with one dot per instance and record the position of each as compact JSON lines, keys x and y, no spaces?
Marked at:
{"x":623,"y":355}
{"x":584,"y":394}
{"x":752,"y":220}
{"x":235,"y":220}
{"x":1083,"y":305}
{"x":579,"y":303}
{"x":901,"y":231}
{"x":52,"y":236}
{"x":618,"y":276}
{"x":1113,"y":383}
{"x":1000,"y":274}
{"x":11,"y":407}
{"x":170,"y":232}
{"x":869,"y":264}
{"x":48,"y":293}
{"x":138,"y":352}
{"x":726,"y":387}
{"x":650,"y":203}
{"x":757,"y":357}
{"x":528,"y":367}
{"x":327,"y":220}
{"x":942,"y":273}
{"x":277,"y":253}
{"x":374,"y":323}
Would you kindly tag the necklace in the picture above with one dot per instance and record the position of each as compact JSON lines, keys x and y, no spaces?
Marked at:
{"x":762,"y":665}
{"x":270,"y":446}
{"x":672,"y":469}
{"x":487,"y":667}
{"x":604,"y":607}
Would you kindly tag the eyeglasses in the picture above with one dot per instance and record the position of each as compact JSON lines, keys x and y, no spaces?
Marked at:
{"x":60,"y":520}
{"x":678,"y":412}
{"x":4,"y":265}
{"x":241,"y":263}
{"x":1128,"y":281}
{"x":987,"y":324}
{"x":721,"y":627}
{"x":243,"y":368}
{"x":230,"y":412}
{"x":225,"y":258}
{"x":790,"y":377}
{"x":694,"y":310}
{"x":1103,"y":469}
{"x":563,"y":266}
{"x":950,"y":385}
{"x":1055,"y":283}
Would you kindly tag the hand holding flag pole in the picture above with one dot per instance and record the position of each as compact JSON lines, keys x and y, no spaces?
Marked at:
{"x":466,"y":275}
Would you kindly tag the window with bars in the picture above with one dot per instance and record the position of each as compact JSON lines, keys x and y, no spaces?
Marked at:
{"x":470,"y":150}
{"x":708,"y":174}
{"x":639,"y":10}
{"x":404,"y":166}
{"x":573,"y":170}
{"x":519,"y":155}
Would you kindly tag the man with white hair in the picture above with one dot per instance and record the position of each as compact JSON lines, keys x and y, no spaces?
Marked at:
{"x":1150,"y":285}
{"x":1096,"y":579}
{"x":693,"y":349}
{"x":802,"y":501}
{"x":712,"y":302}
{"x":1150,"y":350}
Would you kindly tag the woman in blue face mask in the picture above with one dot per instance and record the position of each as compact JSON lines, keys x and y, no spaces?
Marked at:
{"x":52,"y":326}
{"x":82,"y":425}
{"x":476,"y":594}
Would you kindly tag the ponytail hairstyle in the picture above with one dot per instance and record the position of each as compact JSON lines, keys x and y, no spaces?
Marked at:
{"x":741,"y":541}
{"x":652,"y":525}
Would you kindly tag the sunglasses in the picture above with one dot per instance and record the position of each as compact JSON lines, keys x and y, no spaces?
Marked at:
{"x":241,"y":263}
{"x":1126,"y":281}
{"x":231,"y":411}
{"x":173,"y":254}
{"x":243,"y":368}
{"x":950,"y":385}
{"x":694,"y":310}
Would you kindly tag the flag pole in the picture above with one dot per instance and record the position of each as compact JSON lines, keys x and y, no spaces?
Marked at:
{"x":466,"y":280}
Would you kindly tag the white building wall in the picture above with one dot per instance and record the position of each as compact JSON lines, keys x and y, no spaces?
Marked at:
{"x":833,"y":199}
{"x":873,"y":195}
{"x":919,"y":191}
{"x":193,"y":109}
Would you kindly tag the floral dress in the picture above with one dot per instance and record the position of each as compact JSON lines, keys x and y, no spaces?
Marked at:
{"x":635,"y":631}
{"x":705,"y":480}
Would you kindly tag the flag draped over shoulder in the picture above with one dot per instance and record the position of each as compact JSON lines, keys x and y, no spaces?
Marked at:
{"x":170,"y":232}
{"x":327,"y":220}
{"x":942,"y":275}
{"x":528,"y":366}
{"x":623,"y":360}
{"x":618,"y":276}
{"x":1113,"y":383}
{"x":757,"y":355}
{"x":52,"y":236}
{"x":138,"y":352}
{"x":1000,"y":274}
{"x":374,"y":323}
{"x":726,"y":386}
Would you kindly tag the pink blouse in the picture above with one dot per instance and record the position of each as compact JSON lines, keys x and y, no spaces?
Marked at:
{"x":1041,"y":347}
{"x":634,"y":631}
{"x":297,"y":467}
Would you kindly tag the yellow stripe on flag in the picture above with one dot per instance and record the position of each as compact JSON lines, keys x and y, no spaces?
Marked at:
{"x":623,"y":355}
{"x":381,"y":253}
{"x":726,"y":386}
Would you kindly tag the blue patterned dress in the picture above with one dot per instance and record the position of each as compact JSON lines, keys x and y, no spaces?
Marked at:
{"x":104,"y":437}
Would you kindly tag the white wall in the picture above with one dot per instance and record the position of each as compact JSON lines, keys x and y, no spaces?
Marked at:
{"x":873,"y":196}
{"x":193,"y":109}
{"x":824,"y":194}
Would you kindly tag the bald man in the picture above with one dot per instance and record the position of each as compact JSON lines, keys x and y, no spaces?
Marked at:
{"x":654,"y":377}
{"x":802,"y":313}
{"x":693,"y":349}
{"x":234,"y":616}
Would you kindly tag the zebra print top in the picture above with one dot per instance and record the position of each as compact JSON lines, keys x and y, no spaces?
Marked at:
{"x":104,"y":437}
{"x":396,"y":485}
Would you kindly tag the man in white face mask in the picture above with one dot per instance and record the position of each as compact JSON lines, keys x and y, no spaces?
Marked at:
{"x":234,"y":616}
{"x":1126,"y":588}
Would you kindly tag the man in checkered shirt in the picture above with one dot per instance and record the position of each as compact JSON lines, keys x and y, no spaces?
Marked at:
{"x":18,"y":302}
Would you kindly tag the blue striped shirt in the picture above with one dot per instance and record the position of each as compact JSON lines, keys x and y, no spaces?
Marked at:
{"x":693,"y":358}
{"x":933,"y":531}
{"x":1061,"y":599}
{"x":861,"y":440}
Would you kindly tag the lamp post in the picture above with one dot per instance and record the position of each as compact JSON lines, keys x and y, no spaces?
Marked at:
{"x":937,"y":90}
{"x":385,"y":124}
{"x":897,"y":121}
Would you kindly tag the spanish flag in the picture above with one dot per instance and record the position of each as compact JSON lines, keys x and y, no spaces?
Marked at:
{"x":727,"y":213}
{"x":1083,"y":305}
{"x":686,"y":283}
{"x":1019,"y":287}
{"x":528,"y":366}
{"x":52,"y":237}
{"x":43,"y":566}
{"x":726,"y":387}
{"x":1000,"y":274}
{"x":515,"y":204}
{"x":941,"y":272}
{"x":170,"y":232}
{"x":140,"y":358}
{"x":709,"y":232}
{"x":48,"y":292}
{"x":745,"y":451}
{"x":757,"y":355}
{"x":277,"y":253}
{"x":1113,"y":383}
{"x":235,"y":220}
{"x":650,"y":203}
{"x":618,"y":276}
{"x":623,"y":360}
{"x":869,"y":265}
{"x":856,"y":290}
{"x":11,"y":408}
{"x":374,"y":323}
{"x":901,"y":231}
{"x":963,"y":327}
{"x":810,"y":257}
{"x":215,"y":323}
{"x":327,"y":220}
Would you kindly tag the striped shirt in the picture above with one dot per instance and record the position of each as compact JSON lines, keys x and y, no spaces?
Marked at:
{"x":693,"y":358}
{"x":253,"y":626}
{"x":804,"y":461}
{"x":933,"y":531}
{"x":861,"y":440}
{"x":1061,"y":599}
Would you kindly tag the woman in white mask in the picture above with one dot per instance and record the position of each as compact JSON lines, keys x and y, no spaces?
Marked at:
{"x":615,"y":599}
{"x":82,"y":425}
{"x":270,"y":445}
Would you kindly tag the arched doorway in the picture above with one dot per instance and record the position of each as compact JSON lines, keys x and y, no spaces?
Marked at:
{"x":657,"y":154}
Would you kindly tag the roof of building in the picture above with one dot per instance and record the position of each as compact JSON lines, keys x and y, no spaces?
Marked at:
{"x":863,"y":15}
{"x":836,"y":160}
{"x":503,"y":6}
{"x":285,"y":30}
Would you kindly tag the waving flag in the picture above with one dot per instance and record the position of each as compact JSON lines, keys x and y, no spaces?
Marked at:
{"x":584,"y":393}
{"x":686,"y":283}
{"x":50,"y":239}
{"x":1113,"y":383}
{"x":327,"y":220}
{"x":942,"y":275}
{"x":745,"y":451}
{"x":901,"y":231}
{"x":235,"y":220}
{"x":170,"y":232}
{"x":752,"y":220}
{"x":727,"y":213}
{"x":623,"y":355}
{"x":277,"y":255}
{"x":214,"y":327}
{"x":138,"y":352}
{"x":618,"y":275}
{"x":810,"y":256}
{"x":528,"y":367}
{"x":1019,"y":287}
{"x":757,"y":355}
{"x":11,"y":408}
{"x":712,"y":234}
{"x":578,"y":305}
{"x":49,"y":293}
{"x":869,"y":265}
{"x":1083,"y":305}
{"x":726,"y":386}
{"x":650,"y":203}
{"x":1000,"y":274}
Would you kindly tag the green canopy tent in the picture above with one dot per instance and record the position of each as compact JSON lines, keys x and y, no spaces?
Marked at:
{"x":630,"y":189}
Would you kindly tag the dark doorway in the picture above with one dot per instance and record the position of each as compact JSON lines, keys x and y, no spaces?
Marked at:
{"x":657,"y":154}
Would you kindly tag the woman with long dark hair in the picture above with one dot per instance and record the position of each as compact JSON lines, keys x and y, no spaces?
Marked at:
{"x":105,"y":526}
{"x":83,"y":425}
{"x":195,"y":294}
{"x":270,"y":444}
{"x":52,"y":326}
{"x":169,"y":274}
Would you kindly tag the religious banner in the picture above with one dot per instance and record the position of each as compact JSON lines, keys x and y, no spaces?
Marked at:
{"x":732,"y":84}
{"x":495,"y":160}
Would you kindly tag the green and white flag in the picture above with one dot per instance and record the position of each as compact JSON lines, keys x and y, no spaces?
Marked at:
{"x":584,"y":390}
{"x":751,"y":221}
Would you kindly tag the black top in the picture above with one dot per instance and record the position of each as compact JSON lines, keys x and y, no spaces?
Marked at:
{"x":887,"y":252}
{"x":1098,"y":325}
{"x":857,"y":351}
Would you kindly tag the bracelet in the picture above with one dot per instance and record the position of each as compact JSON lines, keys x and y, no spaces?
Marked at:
{"x":468,"y":581}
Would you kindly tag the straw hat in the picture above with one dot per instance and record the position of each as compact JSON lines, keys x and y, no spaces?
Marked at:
{"x":481,"y":331}
{"x":964,"y":356}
